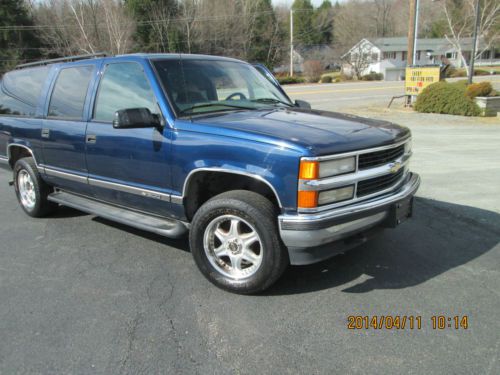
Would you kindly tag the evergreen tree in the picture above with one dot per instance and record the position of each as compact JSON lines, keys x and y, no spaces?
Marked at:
{"x":154,"y":17}
{"x":303,"y":31}
{"x":16,"y":45}
{"x":264,"y":41}
{"x":323,"y":20}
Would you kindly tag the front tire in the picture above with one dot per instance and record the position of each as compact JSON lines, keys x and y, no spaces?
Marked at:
{"x":31,"y":190}
{"x":235,"y":242}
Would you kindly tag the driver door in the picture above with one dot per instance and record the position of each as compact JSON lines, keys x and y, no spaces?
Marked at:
{"x":128,"y":167}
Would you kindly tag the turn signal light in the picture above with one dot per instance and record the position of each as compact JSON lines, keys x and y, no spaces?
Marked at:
{"x":309,"y":170}
{"x":307,"y":199}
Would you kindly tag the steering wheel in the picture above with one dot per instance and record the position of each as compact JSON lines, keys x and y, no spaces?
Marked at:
{"x":241,"y":95}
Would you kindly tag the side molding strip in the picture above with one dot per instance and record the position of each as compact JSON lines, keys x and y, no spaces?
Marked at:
{"x":112,"y":185}
{"x":130,"y":189}
{"x":66,"y":176}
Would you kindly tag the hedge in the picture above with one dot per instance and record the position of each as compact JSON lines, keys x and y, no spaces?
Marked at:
{"x":372,"y":76}
{"x":326,"y":79}
{"x":479,"y":89}
{"x":287,"y":80}
{"x":446,"y":98}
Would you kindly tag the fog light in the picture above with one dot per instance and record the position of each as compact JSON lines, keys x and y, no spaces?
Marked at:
{"x":336,"y":195}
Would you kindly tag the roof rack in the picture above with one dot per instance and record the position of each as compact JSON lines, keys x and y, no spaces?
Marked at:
{"x":62,"y":59}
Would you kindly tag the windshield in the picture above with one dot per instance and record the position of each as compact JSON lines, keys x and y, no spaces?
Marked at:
{"x":204,"y":86}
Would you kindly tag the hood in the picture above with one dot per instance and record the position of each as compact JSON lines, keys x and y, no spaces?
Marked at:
{"x":320,"y":132}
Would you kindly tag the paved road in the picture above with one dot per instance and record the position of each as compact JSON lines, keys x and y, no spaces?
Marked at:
{"x":82,"y":295}
{"x":341,"y":96}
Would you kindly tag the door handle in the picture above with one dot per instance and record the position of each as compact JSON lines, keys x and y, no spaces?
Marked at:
{"x":45,"y":133}
{"x":91,"y":139}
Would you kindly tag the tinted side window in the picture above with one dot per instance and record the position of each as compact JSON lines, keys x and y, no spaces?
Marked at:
{"x":21,"y":90}
{"x":70,"y":90}
{"x":13,"y":106}
{"x":123,"y":86}
{"x":26,"y":84}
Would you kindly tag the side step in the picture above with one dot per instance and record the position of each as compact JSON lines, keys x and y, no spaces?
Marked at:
{"x":164,"y":227}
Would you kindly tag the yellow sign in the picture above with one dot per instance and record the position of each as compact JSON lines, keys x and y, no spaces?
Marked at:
{"x":418,"y":78}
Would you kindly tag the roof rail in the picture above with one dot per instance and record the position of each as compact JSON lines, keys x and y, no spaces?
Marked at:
{"x":62,"y":59}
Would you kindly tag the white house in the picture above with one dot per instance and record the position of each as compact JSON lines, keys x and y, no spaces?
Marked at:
{"x":389,"y":55}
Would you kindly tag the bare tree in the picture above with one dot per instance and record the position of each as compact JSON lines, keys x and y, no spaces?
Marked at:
{"x":358,"y":59}
{"x":460,"y":18}
{"x":84,"y":26}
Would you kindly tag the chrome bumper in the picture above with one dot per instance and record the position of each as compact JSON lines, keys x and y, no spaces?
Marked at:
{"x":310,"y":230}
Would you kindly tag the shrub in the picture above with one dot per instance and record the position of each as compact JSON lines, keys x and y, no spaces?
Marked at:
{"x":448,"y":98}
{"x":450,"y":72}
{"x":287,"y":80}
{"x":326,"y":79}
{"x":481,"y":72}
{"x":372,"y":76}
{"x":313,"y":70}
{"x":479,"y":89}
{"x":453,"y":72}
{"x":342,"y":77}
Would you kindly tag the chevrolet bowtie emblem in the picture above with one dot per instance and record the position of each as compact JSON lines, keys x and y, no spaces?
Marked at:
{"x":395,"y":167}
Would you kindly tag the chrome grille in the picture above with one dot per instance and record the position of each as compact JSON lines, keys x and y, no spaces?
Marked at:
{"x":379,"y":171}
{"x":374,"y":159}
{"x":372,"y":185}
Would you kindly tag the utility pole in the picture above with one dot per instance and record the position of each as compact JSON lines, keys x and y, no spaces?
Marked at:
{"x":291,"y":42}
{"x":412,"y":39}
{"x":474,"y":42}
{"x":413,"y":32}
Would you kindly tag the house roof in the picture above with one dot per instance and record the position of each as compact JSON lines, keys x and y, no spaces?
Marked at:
{"x":437,"y":45}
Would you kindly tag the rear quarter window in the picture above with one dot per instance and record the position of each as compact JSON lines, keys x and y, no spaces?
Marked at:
{"x":69,"y":93}
{"x":20,"y":91}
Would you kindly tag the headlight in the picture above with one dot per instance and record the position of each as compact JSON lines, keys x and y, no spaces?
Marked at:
{"x":336,"y":195}
{"x":408,"y":147}
{"x":337,"y":166}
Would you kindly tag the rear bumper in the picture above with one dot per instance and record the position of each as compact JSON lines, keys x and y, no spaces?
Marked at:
{"x":301,"y":232}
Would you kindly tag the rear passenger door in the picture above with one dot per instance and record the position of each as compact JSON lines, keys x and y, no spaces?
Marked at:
{"x":63,"y":129}
{"x":129,"y":167}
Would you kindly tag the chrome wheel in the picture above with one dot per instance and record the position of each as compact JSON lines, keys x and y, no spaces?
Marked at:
{"x":233,"y":247}
{"x":26,"y":188}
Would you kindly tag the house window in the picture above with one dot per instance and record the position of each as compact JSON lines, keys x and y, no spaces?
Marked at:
{"x":418,"y":55}
{"x":403,"y":55}
{"x":389,"y":55}
{"x":451,"y":55}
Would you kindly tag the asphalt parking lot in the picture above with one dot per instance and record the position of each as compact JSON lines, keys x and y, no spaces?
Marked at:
{"x":83,"y":295}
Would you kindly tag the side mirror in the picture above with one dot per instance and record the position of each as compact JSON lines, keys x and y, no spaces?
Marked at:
{"x":135,"y":118}
{"x":302,"y":104}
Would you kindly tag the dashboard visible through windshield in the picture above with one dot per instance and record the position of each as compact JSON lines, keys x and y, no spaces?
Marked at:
{"x":205,"y":86}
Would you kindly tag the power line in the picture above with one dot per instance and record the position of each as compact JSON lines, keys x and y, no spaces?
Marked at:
{"x":149,"y":22}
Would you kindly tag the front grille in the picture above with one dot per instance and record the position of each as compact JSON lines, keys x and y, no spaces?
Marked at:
{"x":373,"y":185}
{"x":373,"y":159}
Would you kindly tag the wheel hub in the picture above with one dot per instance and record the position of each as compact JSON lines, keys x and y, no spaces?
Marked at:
{"x":233,"y":246}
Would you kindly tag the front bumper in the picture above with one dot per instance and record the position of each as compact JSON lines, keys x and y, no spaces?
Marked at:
{"x":300,"y":232}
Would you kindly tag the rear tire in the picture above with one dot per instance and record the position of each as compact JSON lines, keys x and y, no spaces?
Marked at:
{"x":31,"y":190}
{"x":235,"y":242}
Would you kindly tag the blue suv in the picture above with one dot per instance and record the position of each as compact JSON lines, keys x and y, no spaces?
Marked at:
{"x":212,"y":146}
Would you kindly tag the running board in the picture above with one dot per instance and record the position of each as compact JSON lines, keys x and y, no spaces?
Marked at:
{"x":164,"y":227}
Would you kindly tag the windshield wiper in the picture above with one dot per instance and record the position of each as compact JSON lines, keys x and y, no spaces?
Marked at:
{"x":271,"y":100}
{"x":203,"y":105}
